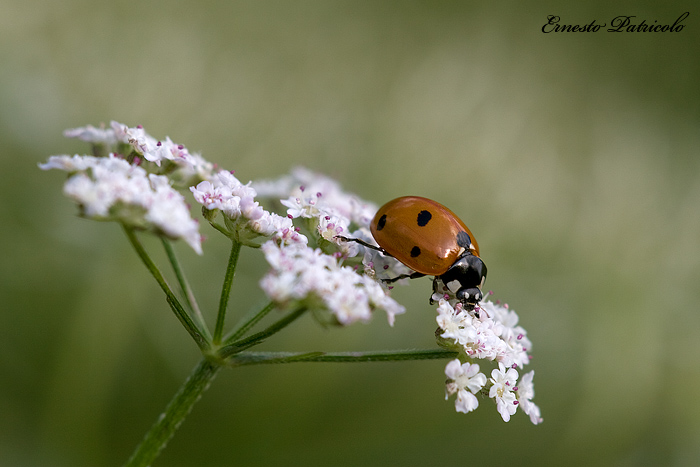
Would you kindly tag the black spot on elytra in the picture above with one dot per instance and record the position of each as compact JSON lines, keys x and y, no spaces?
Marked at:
{"x":424,"y":217}
{"x":381,"y":222}
{"x":463,"y":239}
{"x":415,"y":251}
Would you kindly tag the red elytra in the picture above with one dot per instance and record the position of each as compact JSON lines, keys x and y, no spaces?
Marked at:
{"x":422,"y":234}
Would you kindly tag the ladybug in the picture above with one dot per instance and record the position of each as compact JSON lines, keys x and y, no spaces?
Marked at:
{"x":430,"y":239}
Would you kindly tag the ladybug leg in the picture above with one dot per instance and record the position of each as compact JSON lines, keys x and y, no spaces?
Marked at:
{"x":435,"y":290}
{"x":414,"y":275}
{"x":365,"y":244}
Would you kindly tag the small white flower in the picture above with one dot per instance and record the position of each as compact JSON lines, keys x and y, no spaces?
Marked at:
{"x":383,"y":267}
{"x":302,"y":206}
{"x":503,"y":382}
{"x":330,"y":226}
{"x":284,"y":231}
{"x":93,"y":135}
{"x":250,"y":209}
{"x":210,"y":196}
{"x":465,"y":380}
{"x":456,"y":324}
{"x":347,"y":301}
{"x":379,"y":299}
{"x":168,"y":211}
{"x":94,"y":199}
{"x":70,"y":163}
{"x":138,"y":139}
{"x":227,"y":178}
{"x":525,"y":393}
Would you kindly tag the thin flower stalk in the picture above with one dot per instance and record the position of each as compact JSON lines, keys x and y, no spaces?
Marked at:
{"x":186,"y":289}
{"x":172,"y":300}
{"x":246,"y":324}
{"x":259,"y":358}
{"x":260,"y":337}
{"x":226,"y":290}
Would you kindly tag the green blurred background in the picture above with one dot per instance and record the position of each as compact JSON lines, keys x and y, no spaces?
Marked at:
{"x":573,"y":157}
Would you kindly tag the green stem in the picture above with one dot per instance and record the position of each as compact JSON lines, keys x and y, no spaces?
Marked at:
{"x":257,"y":358}
{"x":239,"y":346}
{"x":176,"y":411}
{"x":185,"y":286}
{"x":221,"y":229}
{"x":174,"y":303}
{"x":248,"y":323}
{"x":226,"y":290}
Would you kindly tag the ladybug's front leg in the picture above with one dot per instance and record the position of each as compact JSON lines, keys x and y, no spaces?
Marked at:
{"x":414,"y":275}
{"x":365,"y":244}
{"x":435,"y":290}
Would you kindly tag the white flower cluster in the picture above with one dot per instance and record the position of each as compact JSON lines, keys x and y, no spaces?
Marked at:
{"x":173,"y":159}
{"x":328,"y":212}
{"x":132,"y":184}
{"x":245,"y":219}
{"x":304,"y":276}
{"x":91,"y":134}
{"x":109,"y":188}
{"x":321,"y":201}
{"x":314,"y":277}
{"x":491,"y":334}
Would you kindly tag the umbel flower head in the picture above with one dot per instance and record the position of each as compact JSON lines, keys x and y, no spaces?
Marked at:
{"x":110,"y":188}
{"x":161,"y":157}
{"x":492,"y":333}
{"x":245,"y":220}
{"x":133,"y":178}
{"x":326,"y":277}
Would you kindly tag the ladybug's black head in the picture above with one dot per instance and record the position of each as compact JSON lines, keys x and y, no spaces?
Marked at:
{"x":465,"y":278}
{"x":469,"y":297}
